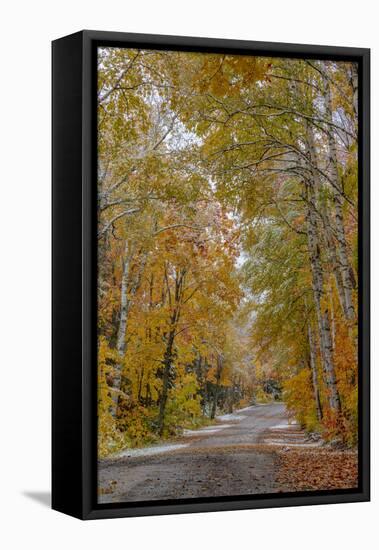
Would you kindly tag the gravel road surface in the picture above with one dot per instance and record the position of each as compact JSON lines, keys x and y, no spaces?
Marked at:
{"x":229,"y":458}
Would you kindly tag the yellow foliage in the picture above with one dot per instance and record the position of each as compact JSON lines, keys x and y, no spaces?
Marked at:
{"x":299,"y":399}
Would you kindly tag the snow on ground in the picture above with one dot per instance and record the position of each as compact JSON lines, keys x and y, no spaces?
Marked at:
{"x":231,"y":416}
{"x":236,"y":415}
{"x":286,"y":443}
{"x":288,"y":437}
{"x":280,"y":427}
{"x":205,"y":431}
{"x":249,"y":408}
{"x":153,"y":450}
{"x":284,"y":426}
{"x":158,"y":449}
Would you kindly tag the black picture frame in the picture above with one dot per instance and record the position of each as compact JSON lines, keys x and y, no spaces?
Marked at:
{"x":74,"y":415}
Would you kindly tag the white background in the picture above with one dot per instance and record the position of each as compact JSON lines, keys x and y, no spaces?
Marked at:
{"x":26,"y":31}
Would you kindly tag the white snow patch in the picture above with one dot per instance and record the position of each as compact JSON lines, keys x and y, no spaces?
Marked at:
{"x":232,"y":416}
{"x":246,"y":409}
{"x":282,"y":426}
{"x":207,"y":430}
{"x":284,"y":443}
{"x":154,"y":450}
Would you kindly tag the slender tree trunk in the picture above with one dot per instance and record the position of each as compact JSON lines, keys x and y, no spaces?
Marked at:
{"x":216,"y":387}
{"x":322,"y":316}
{"x":121,"y":333}
{"x":139,"y":396}
{"x":348,"y":278}
{"x":314,"y":248}
{"x":329,"y":230}
{"x":354,"y":85}
{"x":168,"y":358}
{"x":148,"y":399}
{"x":230,"y":393}
{"x":167,"y":362}
{"x":313,"y":365}
{"x":128,"y":290}
{"x":334,"y":397}
{"x":332,"y":318}
{"x":332,"y":251}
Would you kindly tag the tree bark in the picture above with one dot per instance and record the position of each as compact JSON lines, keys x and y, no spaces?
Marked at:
{"x":313,"y":365}
{"x":216,"y":387}
{"x":354,"y":85}
{"x":347,"y":274}
{"x":332,"y":318}
{"x":167,"y":362}
{"x":314,"y":249}
{"x":322,"y":316}
{"x":129,"y":288}
{"x":334,"y":262}
{"x":168,"y":357}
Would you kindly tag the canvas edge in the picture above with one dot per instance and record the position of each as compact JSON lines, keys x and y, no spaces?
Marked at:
{"x":85,"y":506}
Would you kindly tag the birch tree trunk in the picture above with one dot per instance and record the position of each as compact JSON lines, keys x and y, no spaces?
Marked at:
{"x":322,"y":316}
{"x":354,"y":85}
{"x":129,"y":288}
{"x":332,"y":252}
{"x":332,"y":317}
{"x":330,"y":230}
{"x":314,"y":249}
{"x":347,"y":274}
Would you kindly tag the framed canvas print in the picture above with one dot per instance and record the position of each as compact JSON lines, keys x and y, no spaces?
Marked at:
{"x":210,"y":274}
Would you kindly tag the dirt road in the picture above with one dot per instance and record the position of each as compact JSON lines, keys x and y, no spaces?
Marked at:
{"x":233,"y":457}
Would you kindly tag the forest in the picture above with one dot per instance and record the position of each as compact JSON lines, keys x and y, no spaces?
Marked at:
{"x":227,"y":242}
